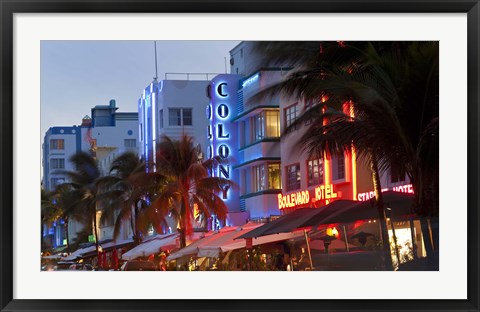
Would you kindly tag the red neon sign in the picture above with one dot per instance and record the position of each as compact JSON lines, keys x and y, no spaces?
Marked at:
{"x":301,"y":198}
{"x":407,"y":188}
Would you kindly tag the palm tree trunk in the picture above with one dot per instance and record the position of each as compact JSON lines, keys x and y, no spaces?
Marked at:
{"x":136,"y":232}
{"x":427,"y":240}
{"x":182,"y":231}
{"x":424,"y":207}
{"x":381,"y":214}
{"x":183,"y":224}
{"x":66,"y":235}
{"x":95,"y":234}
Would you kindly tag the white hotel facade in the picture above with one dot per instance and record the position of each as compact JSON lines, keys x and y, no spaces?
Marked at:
{"x":106,"y":134}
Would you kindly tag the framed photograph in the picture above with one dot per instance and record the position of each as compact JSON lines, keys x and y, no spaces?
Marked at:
{"x":46,"y":47}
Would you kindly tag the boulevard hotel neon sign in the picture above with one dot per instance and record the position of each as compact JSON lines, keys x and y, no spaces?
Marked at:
{"x":301,"y":198}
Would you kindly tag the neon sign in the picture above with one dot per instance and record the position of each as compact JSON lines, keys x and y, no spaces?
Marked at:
{"x":221,"y":132}
{"x":324,"y":192}
{"x":301,"y":198}
{"x":250,"y":80}
{"x":408,"y":188}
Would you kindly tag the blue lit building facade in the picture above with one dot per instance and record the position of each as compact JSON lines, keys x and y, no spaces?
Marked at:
{"x":106,"y":134}
{"x":248,"y":132}
{"x":171,"y":108}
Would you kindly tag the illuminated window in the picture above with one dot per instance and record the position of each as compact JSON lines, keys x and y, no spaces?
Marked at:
{"x":258,"y":174}
{"x":272,"y":120}
{"x":57,"y":163}
{"x":291,"y":114}
{"x":315,"y":171}
{"x":179,"y":116}
{"x":261,"y":177}
{"x":258,"y":125}
{"x":338,"y":167}
{"x":57,"y":144}
{"x":293,"y":177}
{"x":274,"y":177}
{"x":130,"y":142}
{"x":265,"y":125}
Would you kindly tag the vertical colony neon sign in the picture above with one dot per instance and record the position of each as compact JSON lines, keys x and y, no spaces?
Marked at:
{"x":222,"y":132}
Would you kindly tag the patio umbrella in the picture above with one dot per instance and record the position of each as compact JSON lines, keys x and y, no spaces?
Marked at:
{"x":400,"y":204}
{"x":327,"y":240}
{"x":301,"y":218}
{"x":362,"y":237}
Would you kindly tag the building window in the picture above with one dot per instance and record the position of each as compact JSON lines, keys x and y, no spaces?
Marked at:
{"x":338,"y":166}
{"x":291,"y":114}
{"x":293,"y":177}
{"x":397,"y":175}
{"x":258,"y":176}
{"x":265,"y":125}
{"x":187,"y":116}
{"x":258,"y":124}
{"x":57,"y":163}
{"x":57,"y":144}
{"x":261,"y":177}
{"x":160,"y":117}
{"x":272,"y":120}
{"x":108,"y":220}
{"x":54,"y":182}
{"x":274,"y":177}
{"x":315,"y":171}
{"x":180,"y":117}
{"x":130,"y":142}
{"x":174,"y":117}
{"x":309,"y":104}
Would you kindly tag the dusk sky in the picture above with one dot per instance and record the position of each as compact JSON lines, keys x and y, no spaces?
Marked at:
{"x":77,"y":75}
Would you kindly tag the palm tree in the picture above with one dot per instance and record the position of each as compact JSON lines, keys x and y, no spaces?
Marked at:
{"x":187,"y":185}
{"x":49,"y":212}
{"x":129,"y":189}
{"x":394,"y":88}
{"x":86,"y":188}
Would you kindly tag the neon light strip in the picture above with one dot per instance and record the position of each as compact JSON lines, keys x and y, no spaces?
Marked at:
{"x":250,"y":80}
{"x":154,"y":128}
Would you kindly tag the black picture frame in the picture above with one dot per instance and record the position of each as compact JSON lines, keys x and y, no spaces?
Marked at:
{"x":9,"y":7}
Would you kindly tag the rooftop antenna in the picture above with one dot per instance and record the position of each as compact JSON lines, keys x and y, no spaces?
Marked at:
{"x":156,"y":70}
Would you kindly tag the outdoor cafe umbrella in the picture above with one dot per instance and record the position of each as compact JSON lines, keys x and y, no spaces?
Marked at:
{"x":399,"y":203}
{"x":362,"y":237}
{"x":300,"y":218}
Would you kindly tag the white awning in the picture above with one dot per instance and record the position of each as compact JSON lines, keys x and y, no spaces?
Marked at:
{"x":192,"y":249}
{"x":83,"y":251}
{"x":213,"y":248}
{"x":152,"y":246}
{"x":241,"y":243}
{"x":76,"y":254}
{"x":52,"y":257}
